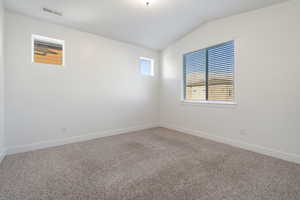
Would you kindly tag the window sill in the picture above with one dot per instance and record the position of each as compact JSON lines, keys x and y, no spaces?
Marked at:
{"x":209,"y":103}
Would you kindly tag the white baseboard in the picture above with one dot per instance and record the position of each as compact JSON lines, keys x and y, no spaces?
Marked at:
{"x":236,"y":143}
{"x":74,"y":139}
{"x":2,"y":155}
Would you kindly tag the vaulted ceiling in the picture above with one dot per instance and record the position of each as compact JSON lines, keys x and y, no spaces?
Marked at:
{"x":154,"y":26}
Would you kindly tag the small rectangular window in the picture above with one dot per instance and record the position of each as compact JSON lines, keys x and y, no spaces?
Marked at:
{"x":147,"y":66}
{"x":209,"y":74}
{"x":47,"y":50}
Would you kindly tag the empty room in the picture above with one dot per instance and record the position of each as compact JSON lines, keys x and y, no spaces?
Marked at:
{"x":149,"y":100}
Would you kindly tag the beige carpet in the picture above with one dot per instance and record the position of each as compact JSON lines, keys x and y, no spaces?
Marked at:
{"x":153,"y":164}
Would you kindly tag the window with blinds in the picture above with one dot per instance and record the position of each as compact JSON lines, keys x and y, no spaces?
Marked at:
{"x":209,"y":74}
{"x":47,"y":50}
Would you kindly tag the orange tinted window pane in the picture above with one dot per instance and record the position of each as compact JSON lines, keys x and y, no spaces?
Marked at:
{"x":48,"y":53}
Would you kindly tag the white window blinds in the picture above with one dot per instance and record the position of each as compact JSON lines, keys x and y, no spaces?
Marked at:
{"x":195,"y":75}
{"x":209,"y":74}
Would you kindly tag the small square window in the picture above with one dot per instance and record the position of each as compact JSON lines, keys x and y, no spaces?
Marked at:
{"x":47,"y":50}
{"x":147,"y":66}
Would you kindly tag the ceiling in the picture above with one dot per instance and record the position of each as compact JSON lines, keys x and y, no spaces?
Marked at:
{"x":154,"y":26}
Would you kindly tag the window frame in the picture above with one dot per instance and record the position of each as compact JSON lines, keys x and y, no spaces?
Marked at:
{"x":47,"y":39}
{"x":201,"y":102}
{"x":152,"y":66}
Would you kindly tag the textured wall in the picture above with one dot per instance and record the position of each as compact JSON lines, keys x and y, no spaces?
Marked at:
{"x":2,"y":148}
{"x":267,"y":80}
{"x":99,"y":88}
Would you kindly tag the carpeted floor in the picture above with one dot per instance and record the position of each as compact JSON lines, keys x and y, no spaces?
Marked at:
{"x":155,"y":164}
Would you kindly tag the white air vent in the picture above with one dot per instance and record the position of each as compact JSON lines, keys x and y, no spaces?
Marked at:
{"x":53,"y":12}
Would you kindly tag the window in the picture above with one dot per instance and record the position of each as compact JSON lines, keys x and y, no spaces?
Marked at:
{"x":47,"y":50}
{"x":147,"y":66}
{"x":209,"y":74}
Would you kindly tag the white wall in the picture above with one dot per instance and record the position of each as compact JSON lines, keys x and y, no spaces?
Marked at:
{"x":99,"y":90}
{"x":268,"y":68}
{"x":2,"y":148}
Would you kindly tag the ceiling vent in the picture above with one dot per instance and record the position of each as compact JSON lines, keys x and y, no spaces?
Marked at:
{"x":53,"y":12}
